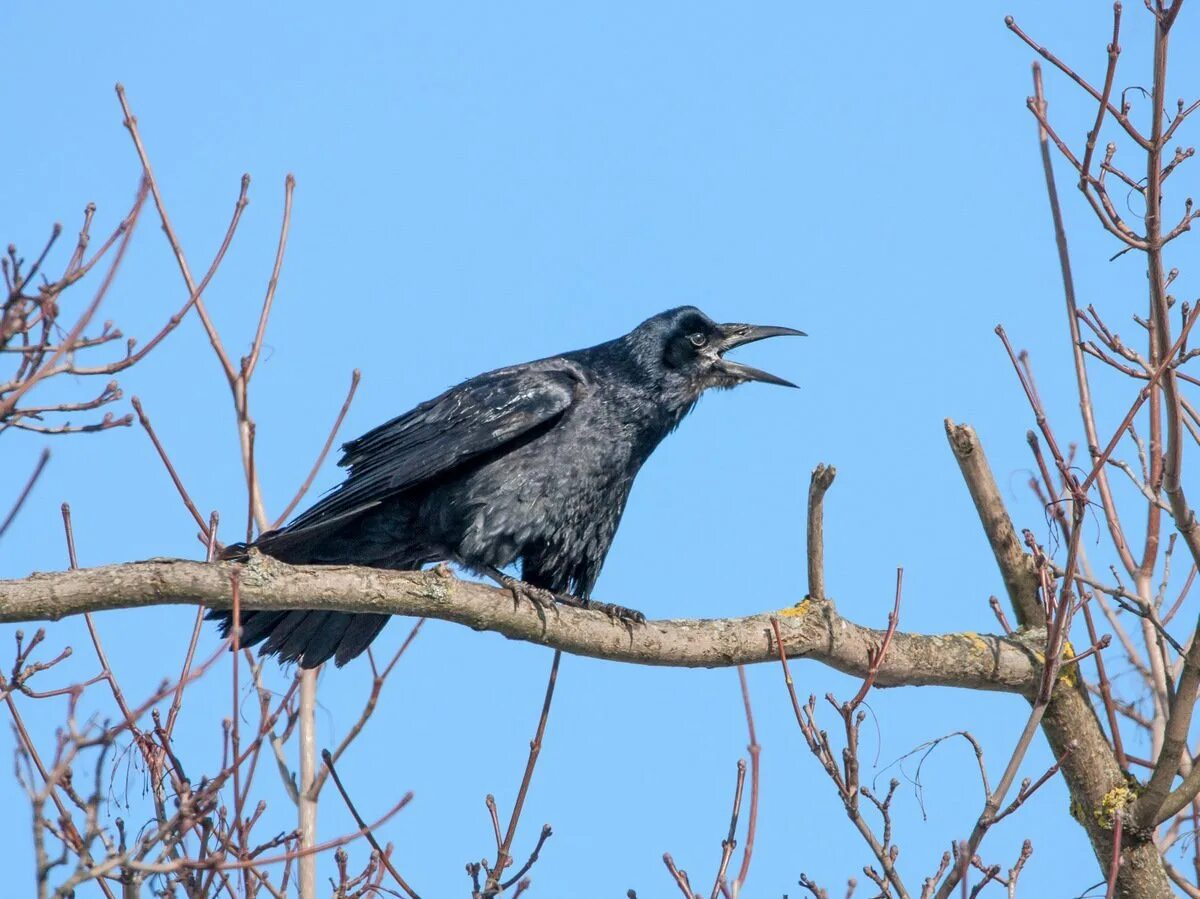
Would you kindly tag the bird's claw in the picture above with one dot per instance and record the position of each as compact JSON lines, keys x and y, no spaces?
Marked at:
{"x":540,"y":598}
{"x":543,"y":599}
{"x":616,"y":612}
{"x":633,"y":616}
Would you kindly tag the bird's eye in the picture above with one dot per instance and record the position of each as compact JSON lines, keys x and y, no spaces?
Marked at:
{"x":698,"y":339}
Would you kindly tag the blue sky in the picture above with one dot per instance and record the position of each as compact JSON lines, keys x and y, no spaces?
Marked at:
{"x":480,"y":184}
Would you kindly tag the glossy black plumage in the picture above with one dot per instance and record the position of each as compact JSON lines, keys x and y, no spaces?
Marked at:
{"x":530,"y":464}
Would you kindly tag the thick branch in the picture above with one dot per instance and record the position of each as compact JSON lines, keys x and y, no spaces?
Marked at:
{"x":1016,"y":567}
{"x":812,"y":629}
{"x":1072,"y":729}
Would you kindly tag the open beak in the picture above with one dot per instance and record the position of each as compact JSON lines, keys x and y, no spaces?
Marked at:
{"x":736,"y":335}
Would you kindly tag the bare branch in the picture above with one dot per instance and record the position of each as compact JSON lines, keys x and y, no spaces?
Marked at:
{"x":811,"y":629}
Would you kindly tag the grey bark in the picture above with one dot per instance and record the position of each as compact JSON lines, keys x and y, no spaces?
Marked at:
{"x":811,"y":629}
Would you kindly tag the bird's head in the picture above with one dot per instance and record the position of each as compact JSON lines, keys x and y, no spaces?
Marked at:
{"x":689,"y":348}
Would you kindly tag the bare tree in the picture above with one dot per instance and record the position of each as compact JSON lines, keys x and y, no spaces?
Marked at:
{"x":1080,"y":613}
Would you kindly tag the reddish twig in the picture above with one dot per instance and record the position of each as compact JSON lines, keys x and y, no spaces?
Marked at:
{"x":680,"y":877}
{"x":1114,"y":866}
{"x":166,"y":460}
{"x":250,"y":362}
{"x":337,"y":424}
{"x":730,"y":842}
{"x":377,"y":681}
{"x":504,"y":854}
{"x":43,"y":458}
{"x":364,"y":828}
{"x":755,"y":751}
{"x":875,"y":656}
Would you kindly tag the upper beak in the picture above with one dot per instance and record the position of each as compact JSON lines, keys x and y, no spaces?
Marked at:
{"x":735,"y":335}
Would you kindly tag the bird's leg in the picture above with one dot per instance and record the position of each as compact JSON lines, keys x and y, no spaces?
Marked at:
{"x":548,"y":599}
{"x":541,"y":598}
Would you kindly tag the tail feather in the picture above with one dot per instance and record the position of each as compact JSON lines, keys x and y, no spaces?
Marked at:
{"x":313,"y":637}
{"x":363,"y":629}
{"x":256,"y":626}
{"x":281,"y":634}
{"x":290,"y":645}
{"x":324,"y":641}
{"x":309,"y":637}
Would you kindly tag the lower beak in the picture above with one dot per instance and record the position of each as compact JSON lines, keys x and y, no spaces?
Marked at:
{"x":735,"y":335}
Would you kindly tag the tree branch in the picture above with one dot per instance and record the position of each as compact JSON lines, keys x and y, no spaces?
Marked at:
{"x":1070,"y":724}
{"x":812,"y":629}
{"x":1016,"y":567}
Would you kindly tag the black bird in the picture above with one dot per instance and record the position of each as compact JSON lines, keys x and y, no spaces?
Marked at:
{"x":531,"y":463}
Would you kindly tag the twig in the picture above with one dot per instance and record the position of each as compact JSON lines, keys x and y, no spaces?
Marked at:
{"x":1114,"y":866}
{"x":681,"y":878}
{"x":875,"y":658}
{"x":337,"y":424}
{"x":166,"y":460}
{"x":43,"y":458}
{"x":377,"y":682}
{"x":546,"y":833}
{"x":504,"y":854}
{"x":289,"y":186}
{"x":730,"y":842}
{"x":755,"y":751}
{"x":181,"y":260}
{"x":366,"y":830}
{"x":998,"y":611}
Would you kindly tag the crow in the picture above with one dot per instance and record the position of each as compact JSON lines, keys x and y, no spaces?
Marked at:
{"x":531,"y":463}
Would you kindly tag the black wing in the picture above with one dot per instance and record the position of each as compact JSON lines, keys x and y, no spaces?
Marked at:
{"x":476,"y":417}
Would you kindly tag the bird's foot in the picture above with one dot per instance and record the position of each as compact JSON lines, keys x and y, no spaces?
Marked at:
{"x":541,"y":598}
{"x":612,"y":610}
{"x":620,"y":613}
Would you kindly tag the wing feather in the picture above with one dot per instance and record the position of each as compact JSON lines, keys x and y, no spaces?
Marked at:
{"x":478,"y":416}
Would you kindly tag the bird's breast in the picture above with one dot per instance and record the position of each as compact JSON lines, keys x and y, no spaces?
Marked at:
{"x":561,"y":496}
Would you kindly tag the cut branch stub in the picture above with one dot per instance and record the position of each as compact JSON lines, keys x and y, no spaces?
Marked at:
{"x":822,"y":479}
